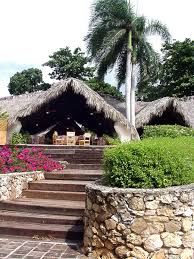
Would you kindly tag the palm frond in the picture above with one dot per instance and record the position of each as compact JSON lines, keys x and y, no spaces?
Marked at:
{"x":109,"y":10}
{"x":110,"y":55}
{"x":155,"y":27}
{"x":110,"y":42}
{"x":121,"y":66}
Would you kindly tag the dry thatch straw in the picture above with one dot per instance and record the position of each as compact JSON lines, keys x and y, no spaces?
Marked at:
{"x":146,"y":112}
{"x":24,"y":105}
{"x":184,"y":107}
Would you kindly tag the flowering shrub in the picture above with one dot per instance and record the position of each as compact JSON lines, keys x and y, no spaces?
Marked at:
{"x":25,"y":159}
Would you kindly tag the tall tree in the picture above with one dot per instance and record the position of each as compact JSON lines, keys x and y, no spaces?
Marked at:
{"x":177,"y":74}
{"x":117,"y":36}
{"x":65,"y":63}
{"x":27,"y":81}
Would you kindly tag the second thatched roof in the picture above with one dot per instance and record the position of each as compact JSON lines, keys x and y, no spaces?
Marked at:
{"x":146,"y":112}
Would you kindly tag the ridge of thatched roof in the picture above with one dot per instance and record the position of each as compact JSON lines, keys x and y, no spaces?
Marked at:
{"x":146,"y":111}
{"x":184,"y":106}
{"x":26,"y":104}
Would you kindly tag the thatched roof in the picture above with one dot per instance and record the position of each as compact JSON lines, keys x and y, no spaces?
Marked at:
{"x":182,"y":107}
{"x":146,"y":112}
{"x":24,"y":105}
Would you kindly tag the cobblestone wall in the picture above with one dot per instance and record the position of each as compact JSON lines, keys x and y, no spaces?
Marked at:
{"x":11,"y":185}
{"x":139,"y":223}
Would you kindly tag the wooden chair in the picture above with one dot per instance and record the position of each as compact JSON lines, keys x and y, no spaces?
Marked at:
{"x":86,"y":140}
{"x":71,"y":141}
{"x":58,"y":140}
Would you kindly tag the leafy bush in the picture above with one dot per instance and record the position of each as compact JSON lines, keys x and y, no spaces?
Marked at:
{"x":25,"y":159}
{"x":151,"y":163}
{"x":19,"y":138}
{"x":172,"y":131}
{"x":3,"y":114}
{"x":111,"y":140}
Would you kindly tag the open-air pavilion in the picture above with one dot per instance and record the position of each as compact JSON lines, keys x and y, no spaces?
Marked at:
{"x":69,"y":105}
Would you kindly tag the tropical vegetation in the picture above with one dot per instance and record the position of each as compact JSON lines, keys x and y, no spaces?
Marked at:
{"x":172,"y":131}
{"x":27,"y":81}
{"x":177,"y":71}
{"x":19,"y":138}
{"x":104,"y":89}
{"x":65,"y":63}
{"x":150,"y":163}
{"x":3,"y":114}
{"x":118,"y":37}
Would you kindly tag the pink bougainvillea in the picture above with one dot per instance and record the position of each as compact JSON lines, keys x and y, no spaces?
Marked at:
{"x":26,"y":159}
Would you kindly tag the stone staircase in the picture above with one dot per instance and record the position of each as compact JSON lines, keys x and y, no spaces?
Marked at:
{"x":54,"y":207}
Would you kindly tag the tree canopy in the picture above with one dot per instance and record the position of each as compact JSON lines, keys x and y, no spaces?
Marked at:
{"x":27,"y":81}
{"x":104,"y":88}
{"x":65,"y":63}
{"x":177,"y":72}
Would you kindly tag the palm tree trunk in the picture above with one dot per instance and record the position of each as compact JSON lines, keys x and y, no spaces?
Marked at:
{"x":128,"y":78}
{"x":132,"y":100}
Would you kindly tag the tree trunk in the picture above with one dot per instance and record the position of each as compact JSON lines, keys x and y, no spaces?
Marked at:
{"x":128,"y":79}
{"x":132,"y":100}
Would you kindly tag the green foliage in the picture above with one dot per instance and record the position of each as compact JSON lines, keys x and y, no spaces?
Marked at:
{"x":150,"y":163}
{"x":172,"y":131}
{"x":19,"y":138}
{"x":27,"y":81}
{"x":3,"y":114}
{"x":111,"y":140}
{"x":108,"y":38}
{"x":66,"y":64}
{"x":177,"y":75}
{"x":104,"y":89}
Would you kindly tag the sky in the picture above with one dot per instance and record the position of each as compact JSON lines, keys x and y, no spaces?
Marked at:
{"x":31,"y":30}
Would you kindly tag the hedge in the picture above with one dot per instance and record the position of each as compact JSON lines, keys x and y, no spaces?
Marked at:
{"x":150,"y":163}
{"x":172,"y":131}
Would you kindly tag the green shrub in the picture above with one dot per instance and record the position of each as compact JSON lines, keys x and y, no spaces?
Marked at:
{"x":3,"y":114}
{"x":111,"y":140}
{"x":150,"y":163}
{"x":19,"y":138}
{"x":172,"y":131}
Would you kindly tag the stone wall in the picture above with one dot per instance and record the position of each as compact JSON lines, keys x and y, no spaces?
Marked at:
{"x":11,"y":185}
{"x":139,"y":223}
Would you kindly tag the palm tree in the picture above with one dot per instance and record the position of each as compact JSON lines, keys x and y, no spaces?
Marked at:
{"x":118,"y":37}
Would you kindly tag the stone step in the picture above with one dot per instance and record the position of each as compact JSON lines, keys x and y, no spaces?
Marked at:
{"x":20,"y":216}
{"x":75,"y":158}
{"x":62,"y":147}
{"x":85,"y":166}
{"x":59,"y":185}
{"x":78,"y":161}
{"x":75,"y":153}
{"x":67,"y":232}
{"x":55,"y":195}
{"x":76,"y":147}
{"x":45,"y":206}
{"x":74,"y":174}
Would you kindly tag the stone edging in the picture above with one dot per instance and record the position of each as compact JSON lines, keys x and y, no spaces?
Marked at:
{"x":98,"y":185}
{"x":12,"y":184}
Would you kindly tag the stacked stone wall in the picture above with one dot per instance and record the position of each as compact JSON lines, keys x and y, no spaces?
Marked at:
{"x":139,"y":223}
{"x":12,"y":184}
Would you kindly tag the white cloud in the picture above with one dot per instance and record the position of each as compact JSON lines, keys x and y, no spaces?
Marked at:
{"x":31,"y":30}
